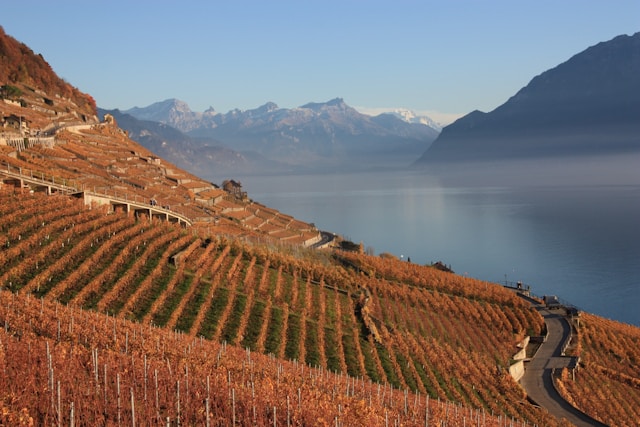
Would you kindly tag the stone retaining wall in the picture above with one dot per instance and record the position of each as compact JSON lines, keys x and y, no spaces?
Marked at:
{"x":516,"y":370}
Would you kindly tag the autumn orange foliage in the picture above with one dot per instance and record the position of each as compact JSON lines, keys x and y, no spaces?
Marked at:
{"x":438,"y":335}
{"x":607,"y":384}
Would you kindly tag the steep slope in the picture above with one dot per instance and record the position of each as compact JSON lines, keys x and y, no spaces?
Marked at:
{"x":400,"y":325}
{"x":400,"y":335}
{"x":51,"y":144}
{"x":394,"y":327}
{"x":588,"y":105}
{"x":22,"y":70}
{"x":313,"y":136}
{"x":61,"y":365}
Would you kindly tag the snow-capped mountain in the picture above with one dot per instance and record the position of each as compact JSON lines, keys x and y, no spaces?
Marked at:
{"x":174,"y":113}
{"x":317,"y":134}
{"x":410,"y":116}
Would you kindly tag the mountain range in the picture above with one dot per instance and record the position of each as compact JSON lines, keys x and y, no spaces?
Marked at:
{"x":588,"y":105}
{"x":211,"y":285}
{"x":313,"y":137}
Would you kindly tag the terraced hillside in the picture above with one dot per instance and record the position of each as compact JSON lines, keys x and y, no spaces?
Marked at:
{"x":63,"y":366}
{"x":438,"y":335}
{"x":52,"y":140}
{"x":112,"y":316}
{"x":607,"y":385}
{"x":99,"y":160}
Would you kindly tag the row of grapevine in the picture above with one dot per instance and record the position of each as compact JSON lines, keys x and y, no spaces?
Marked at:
{"x":607,"y":384}
{"x":27,"y":234}
{"x":60,"y":365}
{"x":295,"y":307}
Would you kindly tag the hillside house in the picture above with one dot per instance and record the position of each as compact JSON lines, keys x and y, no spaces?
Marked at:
{"x":15,"y":123}
{"x":234,"y":188}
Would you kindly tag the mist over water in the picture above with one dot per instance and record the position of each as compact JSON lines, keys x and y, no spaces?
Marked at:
{"x":569,"y":228}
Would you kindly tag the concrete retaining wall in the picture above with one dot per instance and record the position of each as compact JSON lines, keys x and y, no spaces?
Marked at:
{"x":517,"y":370}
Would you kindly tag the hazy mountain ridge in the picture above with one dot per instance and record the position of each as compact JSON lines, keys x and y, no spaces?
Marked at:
{"x":315,"y":135}
{"x":125,"y":267}
{"x":589,"y":104}
{"x":200,"y":156}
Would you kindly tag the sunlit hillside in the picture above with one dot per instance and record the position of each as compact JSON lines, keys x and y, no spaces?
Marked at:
{"x":134,"y":293}
{"x":441,"y":336}
{"x":607,"y":386}
{"x":65,"y":366}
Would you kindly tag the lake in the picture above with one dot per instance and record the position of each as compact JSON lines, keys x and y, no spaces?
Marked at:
{"x":579,"y":241}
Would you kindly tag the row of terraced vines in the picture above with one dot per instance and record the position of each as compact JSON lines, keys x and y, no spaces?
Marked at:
{"x":437,"y":334}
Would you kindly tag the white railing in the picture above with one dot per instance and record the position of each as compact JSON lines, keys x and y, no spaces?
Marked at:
{"x":72,"y":186}
{"x":22,"y":143}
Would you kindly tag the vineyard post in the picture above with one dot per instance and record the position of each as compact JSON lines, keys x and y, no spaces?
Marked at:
{"x":95,"y":368}
{"x":104,"y":379}
{"x":426,"y":413}
{"x":133,"y":410}
{"x":145,"y":377}
{"x":233,"y":405}
{"x":253,"y":400}
{"x":72,"y":420}
{"x":186,"y":380}
{"x":59,"y":411}
{"x":406,"y":396}
{"x":155,"y":379}
{"x":50,"y":374}
{"x":288,"y":412}
{"x":118,"y":395}
{"x":178,"y":402}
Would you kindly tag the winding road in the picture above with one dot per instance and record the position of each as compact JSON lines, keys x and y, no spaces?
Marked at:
{"x":537,"y":380}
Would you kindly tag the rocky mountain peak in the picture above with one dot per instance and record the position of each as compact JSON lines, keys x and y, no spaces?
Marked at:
{"x":267,"y":108}
{"x":334,"y":104}
{"x":162,"y":110}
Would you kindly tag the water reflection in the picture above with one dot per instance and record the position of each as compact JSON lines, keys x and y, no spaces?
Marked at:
{"x":579,"y":242}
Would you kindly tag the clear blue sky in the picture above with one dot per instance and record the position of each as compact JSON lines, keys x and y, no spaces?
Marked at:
{"x":438,"y":56}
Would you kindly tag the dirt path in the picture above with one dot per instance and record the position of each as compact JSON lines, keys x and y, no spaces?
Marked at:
{"x":537,"y":380}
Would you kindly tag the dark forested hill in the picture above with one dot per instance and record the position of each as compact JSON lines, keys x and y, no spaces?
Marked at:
{"x":589,"y":104}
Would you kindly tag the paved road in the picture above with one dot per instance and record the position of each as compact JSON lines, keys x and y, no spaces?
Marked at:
{"x":326,"y":238}
{"x":537,"y":380}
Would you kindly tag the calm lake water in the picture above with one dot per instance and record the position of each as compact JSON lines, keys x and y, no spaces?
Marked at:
{"x":580,"y":242}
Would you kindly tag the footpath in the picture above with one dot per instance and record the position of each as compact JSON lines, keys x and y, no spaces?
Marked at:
{"x":538,"y":381}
